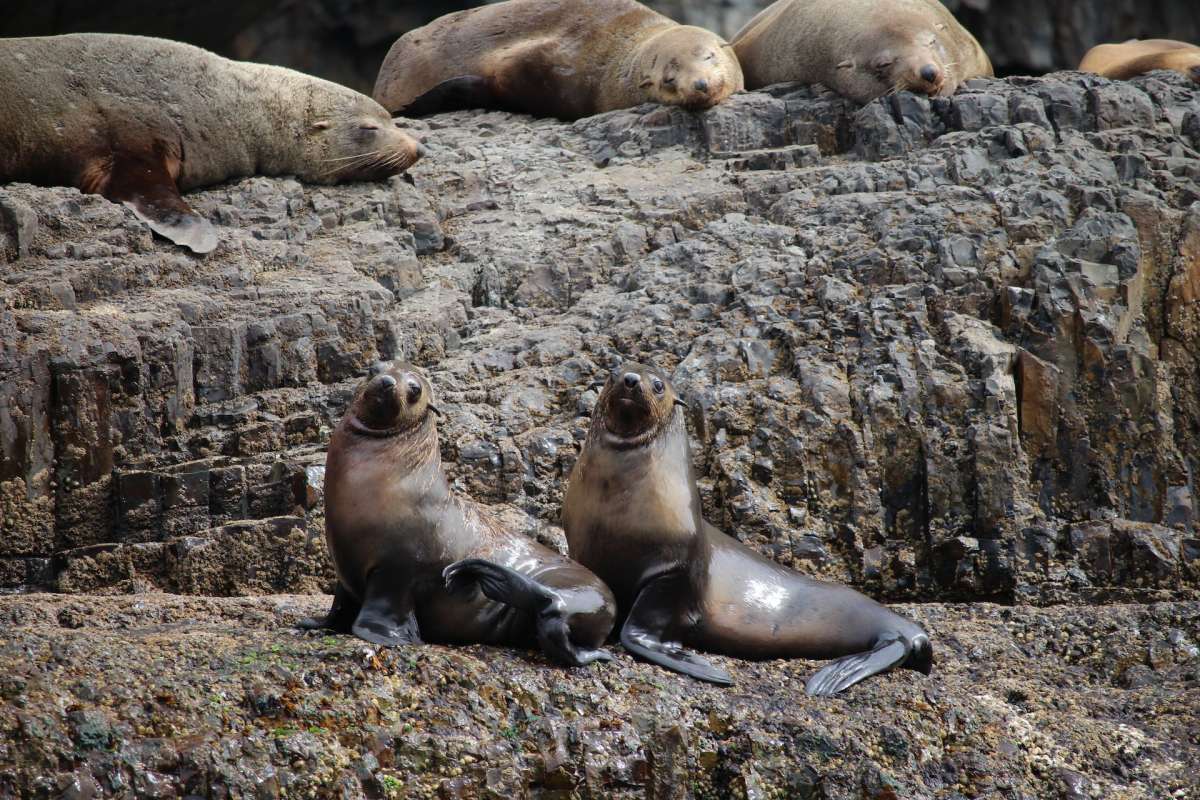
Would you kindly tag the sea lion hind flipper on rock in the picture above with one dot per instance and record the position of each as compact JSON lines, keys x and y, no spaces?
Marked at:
{"x":891,"y":651}
{"x":142,"y":180}
{"x":453,"y":94}
{"x":388,"y":615}
{"x":652,"y":617}
{"x":339,"y":618}
{"x":547,"y":606}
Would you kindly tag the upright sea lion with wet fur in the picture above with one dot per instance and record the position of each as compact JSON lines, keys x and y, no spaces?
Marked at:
{"x":632,"y":515}
{"x":138,"y":120}
{"x":861,"y":49}
{"x":555,"y":58}
{"x":417,"y":564}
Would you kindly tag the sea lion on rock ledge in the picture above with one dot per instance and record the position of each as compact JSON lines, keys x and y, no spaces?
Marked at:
{"x":555,"y":58}
{"x":408,"y":554}
{"x":862,"y":49}
{"x":1137,"y":57}
{"x":137,"y":120}
{"x":632,"y":516}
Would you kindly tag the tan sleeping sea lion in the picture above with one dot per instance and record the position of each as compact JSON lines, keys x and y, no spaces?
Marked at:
{"x":862,"y":49}
{"x":632,"y":515}
{"x":409,"y":554}
{"x":555,"y":58}
{"x":138,"y":120}
{"x":1137,"y":57}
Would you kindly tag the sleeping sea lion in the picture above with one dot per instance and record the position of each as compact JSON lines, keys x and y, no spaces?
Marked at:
{"x":409,"y":554}
{"x":1137,"y":57}
{"x":138,"y":120}
{"x":632,"y":515}
{"x":555,"y":58}
{"x":861,"y":49}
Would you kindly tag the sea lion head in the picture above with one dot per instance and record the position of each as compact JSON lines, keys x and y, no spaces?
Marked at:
{"x":394,"y":399}
{"x":907,"y":54}
{"x":355,"y":139}
{"x":636,"y":406}
{"x":688,"y":66}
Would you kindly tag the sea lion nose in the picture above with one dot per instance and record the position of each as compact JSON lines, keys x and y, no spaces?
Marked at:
{"x":929,"y":73}
{"x":701,"y":85}
{"x":631,"y":379}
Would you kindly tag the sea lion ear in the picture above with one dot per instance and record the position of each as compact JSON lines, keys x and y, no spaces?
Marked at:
{"x":435,"y":410}
{"x":679,"y":401}
{"x":321,"y":124}
{"x":597,"y":384}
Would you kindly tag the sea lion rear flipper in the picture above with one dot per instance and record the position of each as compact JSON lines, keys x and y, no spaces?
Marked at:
{"x":143,"y":183}
{"x":652,"y":615}
{"x":849,"y":670}
{"x":387,"y":616}
{"x":340,"y":617}
{"x":507,"y":586}
{"x":453,"y":94}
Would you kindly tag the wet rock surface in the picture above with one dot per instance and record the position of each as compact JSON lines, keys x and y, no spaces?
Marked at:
{"x":942,"y":350}
{"x":164,"y":696}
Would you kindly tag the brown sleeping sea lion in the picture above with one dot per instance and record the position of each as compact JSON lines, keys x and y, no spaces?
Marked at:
{"x":861,"y":49}
{"x":409,"y":554}
{"x":632,"y":515}
{"x":138,"y":120}
{"x":555,"y":58}
{"x":1137,"y":57}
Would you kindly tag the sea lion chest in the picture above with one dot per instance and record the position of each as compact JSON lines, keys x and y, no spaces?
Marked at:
{"x":629,"y":516}
{"x":381,"y":515}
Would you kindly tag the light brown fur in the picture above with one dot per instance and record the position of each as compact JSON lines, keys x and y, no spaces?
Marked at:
{"x":1130,"y":59}
{"x":408,"y":551}
{"x":632,"y":515}
{"x":861,"y":49}
{"x":558,"y":58}
{"x":137,"y":119}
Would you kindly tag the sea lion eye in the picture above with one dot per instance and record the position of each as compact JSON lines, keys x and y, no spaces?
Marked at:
{"x":414,"y":392}
{"x":659,"y":388}
{"x":368,"y":127}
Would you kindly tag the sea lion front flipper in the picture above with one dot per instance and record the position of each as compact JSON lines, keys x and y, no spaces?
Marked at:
{"x":143,"y":183}
{"x":387,"y":616}
{"x":849,"y":670}
{"x":453,"y":94}
{"x":341,"y":614}
{"x":652,"y":615}
{"x":507,"y":586}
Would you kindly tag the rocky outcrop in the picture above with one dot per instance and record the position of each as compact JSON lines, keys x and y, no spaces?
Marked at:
{"x":941,"y":349}
{"x":944,"y":350}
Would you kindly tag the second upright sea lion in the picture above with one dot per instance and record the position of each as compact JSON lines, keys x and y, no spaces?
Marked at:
{"x":409,"y":554}
{"x":555,"y":58}
{"x":137,"y":120}
{"x":632,"y":515}
{"x":861,"y":49}
{"x":1137,"y":57}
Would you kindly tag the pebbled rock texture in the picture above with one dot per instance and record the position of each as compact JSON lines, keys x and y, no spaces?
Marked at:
{"x":164,"y":696}
{"x":941,"y":350}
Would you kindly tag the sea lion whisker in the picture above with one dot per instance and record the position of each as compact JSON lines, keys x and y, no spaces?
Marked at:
{"x":352,"y":157}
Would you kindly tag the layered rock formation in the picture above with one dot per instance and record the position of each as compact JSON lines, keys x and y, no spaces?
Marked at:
{"x":943,"y":350}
